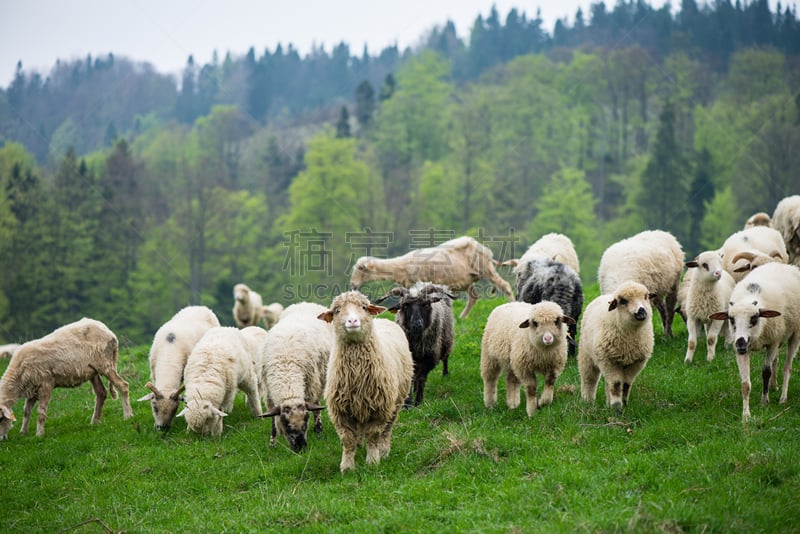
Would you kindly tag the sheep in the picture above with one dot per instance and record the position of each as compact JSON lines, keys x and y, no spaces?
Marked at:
{"x":369,"y":376}
{"x":424,"y":311}
{"x":786,"y":220}
{"x":757,"y":239}
{"x":653,"y":258}
{"x":758,"y":219}
{"x":546,"y":279}
{"x":524,"y":339}
{"x":79,"y":352}
{"x":708,"y":291}
{"x":222,"y":362}
{"x":616,"y":341}
{"x":249,"y":310}
{"x":7,"y":351}
{"x":457,"y":264}
{"x":271,"y":313}
{"x":764,"y":312}
{"x":292,"y":364}
{"x":173,"y":342}
{"x":556,"y":247}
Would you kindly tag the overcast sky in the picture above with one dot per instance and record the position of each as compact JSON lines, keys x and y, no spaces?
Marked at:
{"x":166,"y":32}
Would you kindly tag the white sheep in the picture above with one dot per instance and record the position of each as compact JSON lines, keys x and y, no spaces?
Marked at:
{"x":79,"y":352}
{"x":553,"y":246}
{"x":369,"y":376}
{"x":758,"y":219}
{"x":616,"y":341}
{"x":456,"y":264}
{"x":271,"y":313}
{"x":173,"y":342}
{"x":222,"y":362}
{"x":292,"y":364}
{"x":249,"y":309}
{"x":653,"y":258}
{"x":708,"y":292}
{"x":786,"y":220}
{"x":522,"y":340}
{"x":7,"y":351}
{"x":764,"y":311}
{"x":757,"y":240}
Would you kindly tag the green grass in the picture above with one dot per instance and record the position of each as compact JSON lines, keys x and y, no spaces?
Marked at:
{"x":679,"y":459}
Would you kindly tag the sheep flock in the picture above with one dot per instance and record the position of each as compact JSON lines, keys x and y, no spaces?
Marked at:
{"x":339,"y":360}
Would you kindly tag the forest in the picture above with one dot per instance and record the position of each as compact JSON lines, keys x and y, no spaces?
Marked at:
{"x":126,"y":194}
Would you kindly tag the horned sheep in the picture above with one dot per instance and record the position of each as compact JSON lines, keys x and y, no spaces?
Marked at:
{"x":222,"y":362}
{"x":708,"y":291}
{"x":172,"y":343}
{"x":764,"y":312}
{"x":522,"y":340}
{"x":292,"y":365}
{"x":653,"y":258}
{"x":368,"y":377}
{"x":616,"y":341}
{"x":79,"y":352}
{"x":758,"y":240}
{"x":786,"y":220}
{"x":424,"y":311}
{"x":457,"y":264}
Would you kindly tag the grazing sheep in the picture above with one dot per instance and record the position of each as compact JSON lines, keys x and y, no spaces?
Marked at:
{"x":758,"y":239}
{"x":758,"y":219}
{"x":222,"y":362}
{"x":616,"y":341}
{"x":546,"y":279}
{"x":556,"y":247}
{"x":709,"y":290}
{"x":764,"y":311}
{"x":171,"y":347}
{"x":79,"y":352}
{"x":292,"y":364}
{"x":523,"y":339}
{"x":786,"y":220}
{"x":249,"y":309}
{"x":457,"y":264}
{"x":425,"y":313}
{"x":653,"y":258}
{"x":7,"y":351}
{"x":369,"y":376}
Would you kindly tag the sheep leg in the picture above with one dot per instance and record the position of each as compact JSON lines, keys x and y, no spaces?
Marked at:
{"x":629,"y":375}
{"x":590,"y":376}
{"x":385,"y":441}
{"x":614,"y":378}
{"x":512,"y":390}
{"x":658,"y":302}
{"x":692,"y":327}
{"x":773,"y":377}
{"x":743,"y":363}
{"x":671,"y":302}
{"x":490,"y":374}
{"x":29,"y":402}
{"x":499,"y":283}
{"x":253,"y":400}
{"x":349,"y":442}
{"x":445,"y":372}
{"x":573,"y":334}
{"x":317,"y":423}
{"x":44,"y":400}
{"x":791,"y":351}
{"x":472,"y":293}
{"x":100,"y":395}
{"x":122,"y":386}
{"x":547,"y":392}
{"x":273,"y":433}
{"x":530,"y":396}
{"x":712,"y":334}
{"x":768,"y":371}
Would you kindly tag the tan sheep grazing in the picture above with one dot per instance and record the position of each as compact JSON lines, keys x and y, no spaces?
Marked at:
{"x":616,"y":341}
{"x":173,"y":342}
{"x":369,"y":376}
{"x":222,"y":362}
{"x":523,"y":339}
{"x":457,"y":264}
{"x":786,"y":220}
{"x":79,"y":352}
{"x":292,"y":364}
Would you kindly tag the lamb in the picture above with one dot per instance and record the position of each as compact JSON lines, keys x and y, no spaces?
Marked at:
{"x":7,"y":351}
{"x":758,"y":239}
{"x":369,"y":376}
{"x":546,"y":279}
{"x":653,"y":258}
{"x":617,"y":341}
{"x":556,"y":247}
{"x":709,"y":290}
{"x":173,"y":342}
{"x":457,"y":264}
{"x":524,"y":339}
{"x":758,"y":219}
{"x":79,"y":352}
{"x":424,"y":311}
{"x":786,"y":220}
{"x":222,"y":362}
{"x":764,"y":311}
{"x":292,"y":364}
{"x":249,"y":310}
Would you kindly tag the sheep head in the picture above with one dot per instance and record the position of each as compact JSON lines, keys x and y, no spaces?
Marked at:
{"x":546,"y":324}
{"x":241,"y":293}
{"x":632,"y":301}
{"x":164,"y":406}
{"x":350,"y":313}
{"x":709,"y":265}
{"x":291,"y":419}
{"x":203,"y":417}
{"x":6,"y":421}
{"x":414,"y":305}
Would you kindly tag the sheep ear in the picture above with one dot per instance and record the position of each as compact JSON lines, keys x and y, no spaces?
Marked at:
{"x":177,"y":395}
{"x":375,"y":310}
{"x":567,"y":319}
{"x":182,"y":413}
{"x":8,"y":414}
{"x":149,"y":396}
{"x":272,"y":413}
{"x":692,"y":263}
{"x":311,"y":407}
{"x":525,"y":324}
{"x":510,"y":263}
{"x":217,"y":411}
{"x":768,"y":313}
{"x":719,"y":316}
{"x":652,"y":296}
{"x":326,"y":316}
{"x":612,"y":305}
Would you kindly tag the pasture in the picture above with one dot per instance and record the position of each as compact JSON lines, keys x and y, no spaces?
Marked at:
{"x":678,"y":459}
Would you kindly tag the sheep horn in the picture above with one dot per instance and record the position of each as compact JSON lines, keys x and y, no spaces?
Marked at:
{"x":746,"y":255}
{"x":177,"y":394}
{"x":311,"y":407}
{"x":154,"y":389}
{"x":272,"y":413}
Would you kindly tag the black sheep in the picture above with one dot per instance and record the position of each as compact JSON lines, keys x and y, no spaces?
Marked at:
{"x":545,"y":279}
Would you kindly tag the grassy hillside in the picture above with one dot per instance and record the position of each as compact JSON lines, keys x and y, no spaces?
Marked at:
{"x":678,"y":459}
